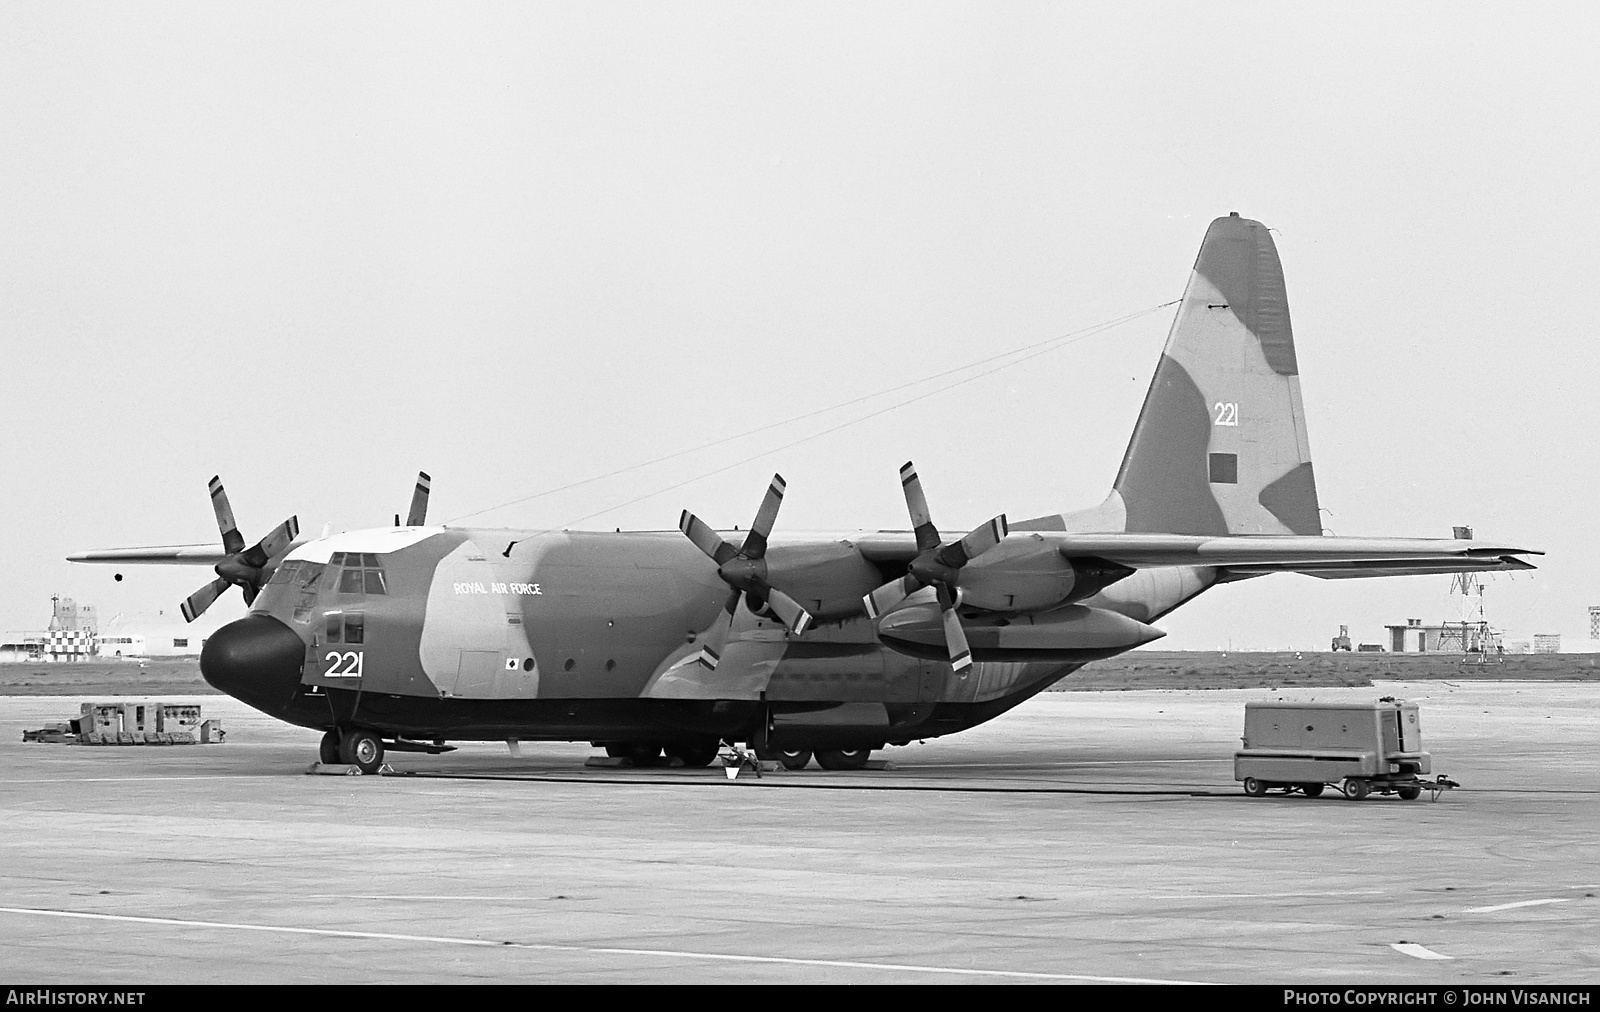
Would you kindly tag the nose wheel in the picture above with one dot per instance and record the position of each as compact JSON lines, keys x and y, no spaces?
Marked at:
{"x":360,"y":748}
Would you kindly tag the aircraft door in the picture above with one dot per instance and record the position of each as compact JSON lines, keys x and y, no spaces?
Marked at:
{"x":476,"y":673}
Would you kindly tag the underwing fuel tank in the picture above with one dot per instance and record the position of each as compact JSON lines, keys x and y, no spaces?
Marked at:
{"x":1072,"y":633}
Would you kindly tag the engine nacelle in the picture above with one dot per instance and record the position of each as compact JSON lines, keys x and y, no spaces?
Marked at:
{"x":1070,"y":633}
{"x":1027,"y":574}
{"x":827,"y":580}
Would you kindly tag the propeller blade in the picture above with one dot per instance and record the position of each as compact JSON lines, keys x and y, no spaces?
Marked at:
{"x":890,"y":594}
{"x":917,"y":504}
{"x":706,"y":539}
{"x":976,"y":543}
{"x":716,"y":637}
{"x":955,"y":637}
{"x":272,"y":547}
{"x":232,"y":540}
{"x":201,"y":599}
{"x":419,"y":501}
{"x":788,"y":610}
{"x":755,"y":543}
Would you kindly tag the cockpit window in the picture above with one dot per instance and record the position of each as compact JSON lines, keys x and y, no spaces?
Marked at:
{"x":360,"y":573}
{"x":296,"y":573}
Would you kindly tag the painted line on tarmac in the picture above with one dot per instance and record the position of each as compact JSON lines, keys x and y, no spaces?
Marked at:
{"x":126,"y":780}
{"x":909,"y":767}
{"x":1418,"y":951}
{"x":851,"y":785}
{"x":385,"y":936}
{"x":1513,"y":906}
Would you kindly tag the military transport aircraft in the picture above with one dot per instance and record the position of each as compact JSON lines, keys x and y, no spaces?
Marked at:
{"x":407,"y":637}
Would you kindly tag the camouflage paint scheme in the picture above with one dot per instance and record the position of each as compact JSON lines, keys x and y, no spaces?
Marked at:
{"x":490,"y":634}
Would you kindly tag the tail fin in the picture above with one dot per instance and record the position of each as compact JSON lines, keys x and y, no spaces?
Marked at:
{"x":1220,"y":446}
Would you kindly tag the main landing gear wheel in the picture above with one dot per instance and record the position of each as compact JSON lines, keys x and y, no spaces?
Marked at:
{"x":844,"y":759}
{"x":1254,"y":787}
{"x":694,"y":755}
{"x":789,"y":758}
{"x":328,"y":749}
{"x":362,"y":749}
{"x":641,"y":753}
{"x":794,"y":759}
{"x":1311,"y":790}
{"x":1355,"y":789}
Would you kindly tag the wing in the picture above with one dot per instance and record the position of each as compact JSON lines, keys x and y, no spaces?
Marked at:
{"x":160,"y":555}
{"x":1251,"y":555}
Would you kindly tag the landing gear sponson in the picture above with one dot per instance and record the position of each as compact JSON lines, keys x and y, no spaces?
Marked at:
{"x":650,"y":754}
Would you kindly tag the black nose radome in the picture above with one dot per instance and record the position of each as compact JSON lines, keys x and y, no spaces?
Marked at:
{"x":256,"y":659}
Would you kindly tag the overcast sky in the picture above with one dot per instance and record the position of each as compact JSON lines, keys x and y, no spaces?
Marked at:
{"x":318,"y":247}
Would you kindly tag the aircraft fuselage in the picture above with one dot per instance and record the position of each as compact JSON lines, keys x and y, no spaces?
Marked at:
{"x":453,"y":634}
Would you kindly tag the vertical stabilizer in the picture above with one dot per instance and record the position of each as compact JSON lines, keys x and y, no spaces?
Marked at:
{"x":1220,"y":446}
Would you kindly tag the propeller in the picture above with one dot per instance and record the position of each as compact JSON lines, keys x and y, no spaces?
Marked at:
{"x":419,"y":501}
{"x":244,"y":566}
{"x":745,"y":570}
{"x":937,"y":565}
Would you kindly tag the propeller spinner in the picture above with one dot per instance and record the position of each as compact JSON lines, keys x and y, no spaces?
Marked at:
{"x":745,"y":570}
{"x":937,"y":566}
{"x":244,"y":566}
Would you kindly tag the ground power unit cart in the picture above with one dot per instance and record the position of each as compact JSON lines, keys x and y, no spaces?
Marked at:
{"x":1364,"y":748}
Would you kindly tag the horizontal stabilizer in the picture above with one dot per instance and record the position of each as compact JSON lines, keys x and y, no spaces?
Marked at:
{"x":1362,"y":570}
{"x":1288,"y":554}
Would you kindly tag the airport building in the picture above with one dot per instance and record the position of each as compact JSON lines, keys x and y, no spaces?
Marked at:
{"x":150,"y":636}
{"x":75,"y":634}
{"x":71,"y":636}
{"x":1449,"y":637}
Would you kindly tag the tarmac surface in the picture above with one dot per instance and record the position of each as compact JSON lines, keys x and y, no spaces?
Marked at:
{"x":1084,"y":837}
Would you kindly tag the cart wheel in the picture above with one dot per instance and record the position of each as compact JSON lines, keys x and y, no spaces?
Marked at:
{"x":1355,"y":788}
{"x":1409,"y":793}
{"x":1254,"y":787}
{"x":1311,"y":790}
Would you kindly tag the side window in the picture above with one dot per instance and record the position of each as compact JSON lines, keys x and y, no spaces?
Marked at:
{"x":286,"y":572}
{"x":309,"y":571}
{"x":335,"y":624}
{"x":354,"y":627}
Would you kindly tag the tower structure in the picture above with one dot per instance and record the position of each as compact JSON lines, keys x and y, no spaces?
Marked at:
{"x":1469,"y":632}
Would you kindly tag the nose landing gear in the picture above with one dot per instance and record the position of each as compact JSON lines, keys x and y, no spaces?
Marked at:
{"x":352,"y":746}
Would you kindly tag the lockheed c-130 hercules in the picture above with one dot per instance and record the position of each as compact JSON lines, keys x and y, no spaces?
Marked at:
{"x":409,"y":637}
